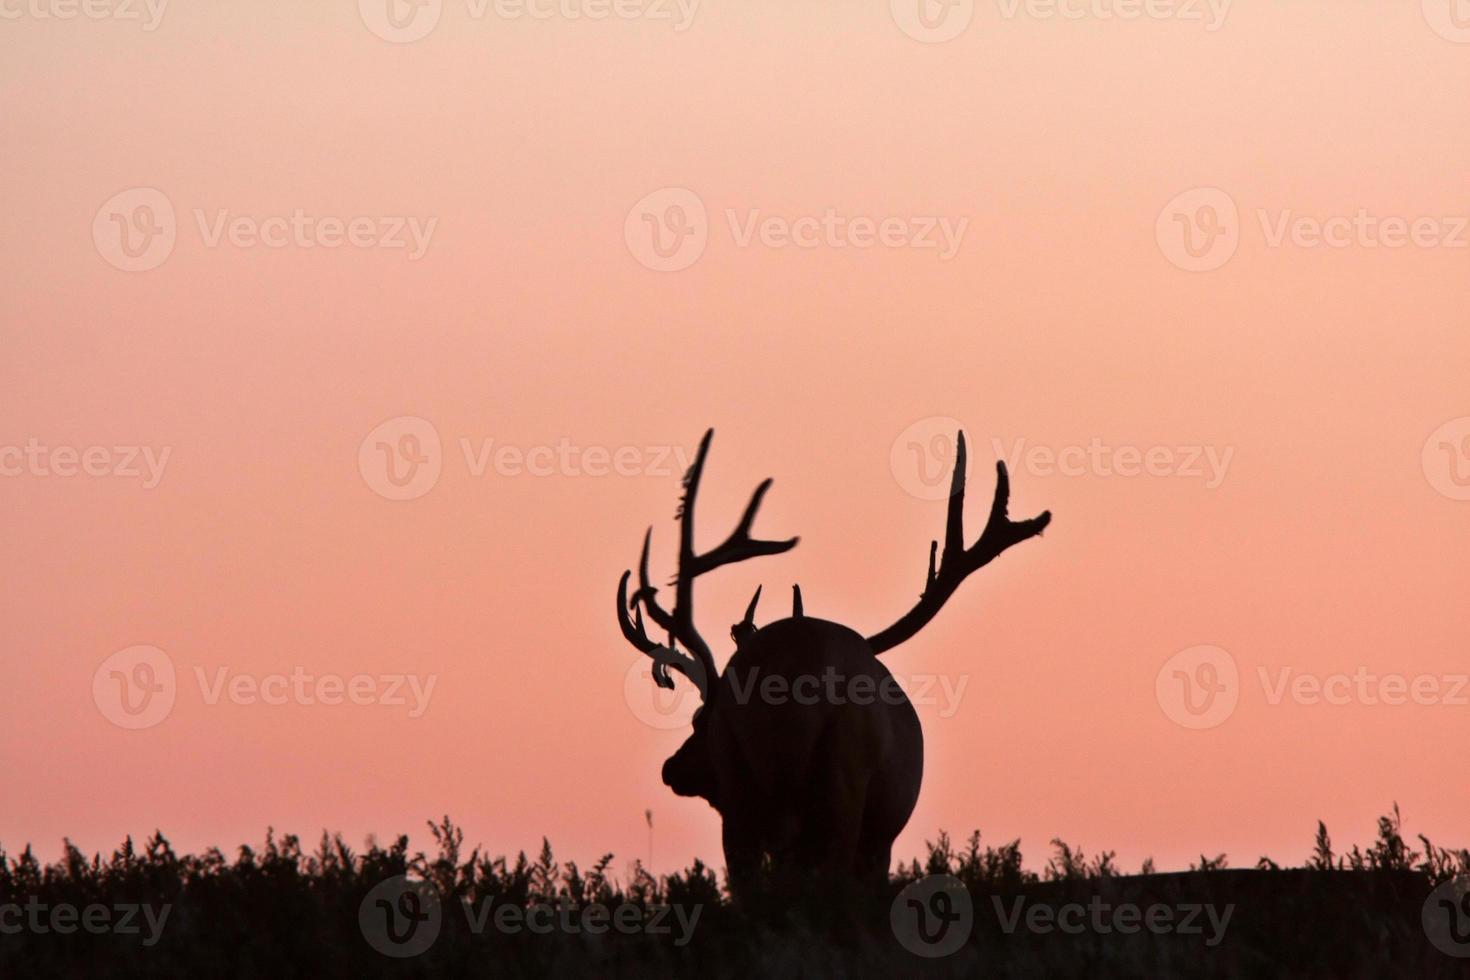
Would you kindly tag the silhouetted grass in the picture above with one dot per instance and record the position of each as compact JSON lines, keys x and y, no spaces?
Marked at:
{"x":284,"y":911}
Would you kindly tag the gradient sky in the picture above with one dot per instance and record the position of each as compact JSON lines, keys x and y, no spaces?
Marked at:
{"x":1331,"y":544}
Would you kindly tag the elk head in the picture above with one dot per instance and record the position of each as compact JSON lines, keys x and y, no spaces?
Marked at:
{"x":685,"y":772}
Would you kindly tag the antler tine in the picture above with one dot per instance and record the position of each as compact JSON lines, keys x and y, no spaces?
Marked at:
{"x":682,"y":620}
{"x":954,"y":520}
{"x":957,"y":562}
{"x":750,"y":609}
{"x":740,"y":545}
{"x":663,"y":656}
{"x":632,"y":628}
{"x":647,"y":591}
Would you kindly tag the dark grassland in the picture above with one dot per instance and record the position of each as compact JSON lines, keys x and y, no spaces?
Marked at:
{"x":283,"y":912}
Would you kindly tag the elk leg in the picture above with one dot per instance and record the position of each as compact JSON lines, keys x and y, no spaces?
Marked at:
{"x":873,"y":862}
{"x":834,"y":813}
{"x":892,"y":794}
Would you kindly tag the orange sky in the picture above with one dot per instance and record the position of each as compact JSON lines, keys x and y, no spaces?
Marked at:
{"x":1054,"y":149}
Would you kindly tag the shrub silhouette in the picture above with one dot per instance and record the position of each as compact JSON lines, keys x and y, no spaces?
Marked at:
{"x":282,"y":911}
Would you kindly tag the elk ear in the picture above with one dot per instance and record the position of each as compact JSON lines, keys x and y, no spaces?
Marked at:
{"x":746,"y":628}
{"x":796,"y":611}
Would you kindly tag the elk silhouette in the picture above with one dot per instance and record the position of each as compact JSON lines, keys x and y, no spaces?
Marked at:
{"x":806,"y":745}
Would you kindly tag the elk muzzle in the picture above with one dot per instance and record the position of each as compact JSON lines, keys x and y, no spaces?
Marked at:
{"x":686,"y":772}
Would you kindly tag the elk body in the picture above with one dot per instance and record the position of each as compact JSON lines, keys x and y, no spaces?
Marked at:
{"x":805,"y":745}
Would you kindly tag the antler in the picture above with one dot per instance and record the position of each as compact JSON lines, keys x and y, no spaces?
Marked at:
{"x":664,"y":657}
{"x":957,"y":561}
{"x":679,"y":623}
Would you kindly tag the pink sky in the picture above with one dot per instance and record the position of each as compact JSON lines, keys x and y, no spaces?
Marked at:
{"x":1328,"y":545}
